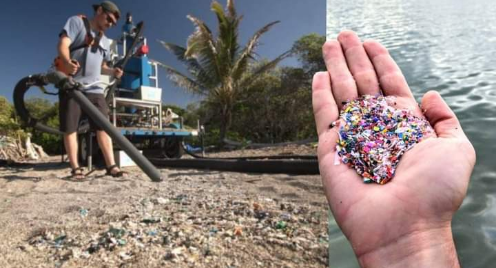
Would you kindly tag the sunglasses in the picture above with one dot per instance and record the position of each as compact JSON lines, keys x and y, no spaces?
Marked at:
{"x":109,"y":19}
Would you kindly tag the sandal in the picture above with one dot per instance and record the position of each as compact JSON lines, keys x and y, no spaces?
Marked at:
{"x":117,"y":174}
{"x":77,"y":174}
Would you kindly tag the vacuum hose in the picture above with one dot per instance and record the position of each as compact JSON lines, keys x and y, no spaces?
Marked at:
{"x":20,"y":91}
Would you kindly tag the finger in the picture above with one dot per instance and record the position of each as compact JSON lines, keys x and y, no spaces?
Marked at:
{"x":324,"y":106}
{"x":440,"y":116}
{"x":391,"y":79}
{"x":342,"y":82}
{"x":359,"y":64}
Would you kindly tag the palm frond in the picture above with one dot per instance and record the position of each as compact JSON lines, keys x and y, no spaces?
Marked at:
{"x":192,"y":64}
{"x":182,"y":80}
{"x":201,"y":45}
{"x":248,"y":80}
{"x":227,"y":40}
{"x":217,"y":8}
{"x":230,"y":8}
{"x":247,"y":53}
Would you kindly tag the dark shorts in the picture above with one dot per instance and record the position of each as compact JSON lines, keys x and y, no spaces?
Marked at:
{"x":70,"y":112}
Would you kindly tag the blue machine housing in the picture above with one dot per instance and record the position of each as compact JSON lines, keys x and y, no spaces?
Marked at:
{"x":138,"y":70}
{"x":137,"y":73}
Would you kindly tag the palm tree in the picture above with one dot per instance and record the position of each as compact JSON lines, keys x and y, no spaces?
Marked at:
{"x":218,"y":68}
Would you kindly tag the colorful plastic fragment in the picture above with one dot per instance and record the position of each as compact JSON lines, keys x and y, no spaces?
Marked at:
{"x":374,"y":135}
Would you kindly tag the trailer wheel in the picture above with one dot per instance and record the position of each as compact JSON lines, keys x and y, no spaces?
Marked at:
{"x":172,"y":147}
{"x":83,"y":149}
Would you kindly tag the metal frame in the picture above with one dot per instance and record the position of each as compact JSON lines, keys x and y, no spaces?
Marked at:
{"x":156,"y":106}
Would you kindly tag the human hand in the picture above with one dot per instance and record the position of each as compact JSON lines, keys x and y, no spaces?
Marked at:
{"x":407,"y":221}
{"x":72,"y":66}
{"x":118,"y":72}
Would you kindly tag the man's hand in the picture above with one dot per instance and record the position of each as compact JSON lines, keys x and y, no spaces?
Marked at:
{"x":406,"y":222}
{"x":72,"y":66}
{"x":118,"y":72}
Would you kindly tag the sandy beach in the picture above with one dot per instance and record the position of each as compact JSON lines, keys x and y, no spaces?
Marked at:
{"x":194,"y":218}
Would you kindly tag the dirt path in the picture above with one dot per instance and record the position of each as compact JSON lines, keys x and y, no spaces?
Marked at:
{"x":194,"y":218}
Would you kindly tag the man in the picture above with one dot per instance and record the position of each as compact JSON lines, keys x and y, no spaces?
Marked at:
{"x":84,"y":57}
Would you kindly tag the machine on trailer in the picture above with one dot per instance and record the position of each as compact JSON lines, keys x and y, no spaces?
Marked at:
{"x":136,"y":104}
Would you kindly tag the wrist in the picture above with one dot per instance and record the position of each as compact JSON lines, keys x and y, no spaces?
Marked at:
{"x":66,"y":61}
{"x":430,"y":248}
{"x":107,"y":71}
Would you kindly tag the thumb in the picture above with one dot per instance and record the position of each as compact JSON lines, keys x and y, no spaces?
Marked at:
{"x":440,"y":116}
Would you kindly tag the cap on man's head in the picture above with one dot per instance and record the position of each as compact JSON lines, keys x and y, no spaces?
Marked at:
{"x":109,"y":6}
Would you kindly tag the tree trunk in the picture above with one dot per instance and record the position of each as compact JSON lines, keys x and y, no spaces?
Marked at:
{"x":222,"y":135}
{"x":224,"y":125}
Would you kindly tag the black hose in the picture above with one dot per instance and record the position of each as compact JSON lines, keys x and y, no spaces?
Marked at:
{"x":299,"y":167}
{"x":261,"y":157}
{"x":19,"y":93}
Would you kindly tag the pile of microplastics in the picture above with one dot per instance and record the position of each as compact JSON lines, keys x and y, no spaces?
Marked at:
{"x":374,"y":135}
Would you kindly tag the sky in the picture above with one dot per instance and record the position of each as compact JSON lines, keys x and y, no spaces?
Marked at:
{"x":30,"y":32}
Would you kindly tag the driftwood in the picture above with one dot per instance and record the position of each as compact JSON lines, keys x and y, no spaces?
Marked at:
{"x":40,"y":150}
{"x":15,"y":150}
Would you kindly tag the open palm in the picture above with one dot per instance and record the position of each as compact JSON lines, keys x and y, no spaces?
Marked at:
{"x":431,"y":179}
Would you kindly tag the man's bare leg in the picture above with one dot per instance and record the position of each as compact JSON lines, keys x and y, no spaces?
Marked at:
{"x":106,"y":146}
{"x":71,"y":147}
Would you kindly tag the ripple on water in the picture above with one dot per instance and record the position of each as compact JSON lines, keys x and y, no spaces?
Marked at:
{"x":441,"y":87}
{"x":459,"y":92}
{"x":490,"y":233}
{"x":474,"y":97}
{"x":466,"y":108}
{"x":491,"y":93}
{"x":483,"y":84}
{"x":488,"y":179}
{"x":476,"y":206}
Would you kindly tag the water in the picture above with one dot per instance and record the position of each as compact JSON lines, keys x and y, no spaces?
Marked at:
{"x":448,"y":46}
